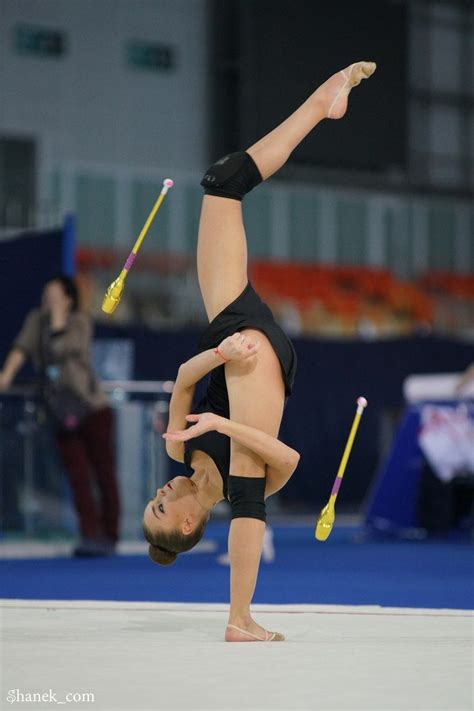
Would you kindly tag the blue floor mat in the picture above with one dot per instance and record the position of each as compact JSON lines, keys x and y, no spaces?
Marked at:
{"x":399,"y":574}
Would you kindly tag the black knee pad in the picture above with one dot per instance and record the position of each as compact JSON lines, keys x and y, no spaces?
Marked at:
{"x":232,"y":176}
{"x":247,"y":497}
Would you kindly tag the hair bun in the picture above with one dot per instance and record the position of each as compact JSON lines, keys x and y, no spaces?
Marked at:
{"x":160,"y":556}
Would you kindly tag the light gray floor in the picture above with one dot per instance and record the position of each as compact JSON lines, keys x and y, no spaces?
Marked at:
{"x":166,"y":656}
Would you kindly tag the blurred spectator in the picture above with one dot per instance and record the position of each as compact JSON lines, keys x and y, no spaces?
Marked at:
{"x":57,"y":338}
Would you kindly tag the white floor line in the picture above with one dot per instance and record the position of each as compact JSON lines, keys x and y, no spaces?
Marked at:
{"x":223,"y":607}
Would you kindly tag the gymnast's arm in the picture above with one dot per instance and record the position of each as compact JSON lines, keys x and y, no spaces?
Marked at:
{"x":281,"y":460}
{"x":180,"y":407}
{"x":190,"y":373}
{"x":231,"y":348}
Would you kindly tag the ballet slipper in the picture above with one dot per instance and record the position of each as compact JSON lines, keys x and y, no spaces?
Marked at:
{"x":353,"y":75}
{"x":269,"y":636}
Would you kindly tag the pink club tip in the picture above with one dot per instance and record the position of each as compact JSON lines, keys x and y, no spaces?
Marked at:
{"x":168,"y":183}
{"x":362,"y":402}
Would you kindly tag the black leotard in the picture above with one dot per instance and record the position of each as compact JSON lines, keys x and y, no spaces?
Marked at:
{"x":247,"y":311}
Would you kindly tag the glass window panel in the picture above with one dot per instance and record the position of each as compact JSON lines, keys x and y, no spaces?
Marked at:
{"x":304,"y":227}
{"x":419,"y":120}
{"x":390,"y":246}
{"x":443,"y":13}
{"x":445,"y":59}
{"x":257,"y":222}
{"x":445,"y":131}
{"x":351,"y":230}
{"x":418,"y":66}
{"x":398,"y":242}
{"x":412,"y":209}
{"x":193,"y":197}
{"x":469,"y":28}
{"x":441,"y":237}
{"x":445,"y":171}
{"x":471,"y":138}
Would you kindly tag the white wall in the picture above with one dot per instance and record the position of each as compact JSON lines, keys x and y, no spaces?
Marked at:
{"x":87,"y":105}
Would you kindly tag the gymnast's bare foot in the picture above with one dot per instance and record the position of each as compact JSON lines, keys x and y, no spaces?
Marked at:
{"x":246,"y":630}
{"x":334,"y":92}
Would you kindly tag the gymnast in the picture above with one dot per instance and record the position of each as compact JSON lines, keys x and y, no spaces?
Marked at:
{"x":230,"y":443}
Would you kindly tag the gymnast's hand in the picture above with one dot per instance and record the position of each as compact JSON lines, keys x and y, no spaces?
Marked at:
{"x":204,"y":422}
{"x":238,"y":347}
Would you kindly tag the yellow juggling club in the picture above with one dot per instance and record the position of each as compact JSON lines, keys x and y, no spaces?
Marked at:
{"x":326,"y":518}
{"x":114,"y":292}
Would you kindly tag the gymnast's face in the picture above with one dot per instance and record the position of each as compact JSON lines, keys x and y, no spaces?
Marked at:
{"x":174,"y":508}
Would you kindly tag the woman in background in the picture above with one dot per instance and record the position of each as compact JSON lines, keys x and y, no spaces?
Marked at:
{"x":57,"y":338}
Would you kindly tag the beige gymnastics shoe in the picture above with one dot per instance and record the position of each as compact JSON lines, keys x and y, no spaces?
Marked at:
{"x":269,"y":636}
{"x":335,"y":91}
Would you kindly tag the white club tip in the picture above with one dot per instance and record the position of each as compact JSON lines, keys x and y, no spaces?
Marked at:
{"x":168,"y":183}
{"x":362,"y":402}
